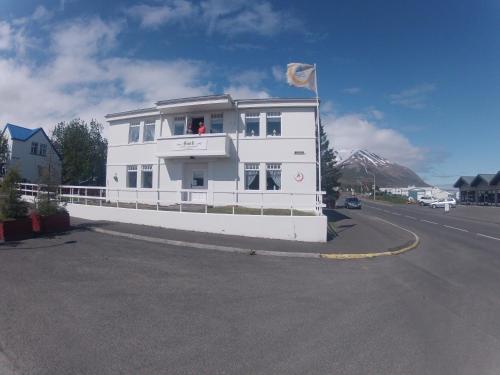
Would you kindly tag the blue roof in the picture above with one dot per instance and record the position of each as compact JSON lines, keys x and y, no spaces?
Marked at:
{"x":19,"y":133}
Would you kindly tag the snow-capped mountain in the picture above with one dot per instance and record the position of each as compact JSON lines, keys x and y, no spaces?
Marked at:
{"x":361,"y":165}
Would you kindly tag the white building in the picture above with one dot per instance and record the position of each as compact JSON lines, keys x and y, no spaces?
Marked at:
{"x":258,"y":152}
{"x":32,"y":154}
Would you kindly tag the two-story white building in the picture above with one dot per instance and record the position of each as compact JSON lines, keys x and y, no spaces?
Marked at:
{"x":255,"y":152}
{"x":32,"y":154}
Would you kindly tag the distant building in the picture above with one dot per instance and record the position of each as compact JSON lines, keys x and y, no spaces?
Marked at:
{"x":483,"y":189}
{"x":416,"y":192}
{"x":31,"y":153}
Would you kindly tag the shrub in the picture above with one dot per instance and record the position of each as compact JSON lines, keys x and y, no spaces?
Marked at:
{"x":12,"y":206}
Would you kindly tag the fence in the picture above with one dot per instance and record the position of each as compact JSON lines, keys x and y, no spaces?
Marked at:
{"x":188,"y":200}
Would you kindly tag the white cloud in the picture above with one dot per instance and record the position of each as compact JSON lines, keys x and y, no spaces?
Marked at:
{"x":152,"y":16}
{"x":217,"y":16}
{"x":84,"y":73}
{"x":415,"y":97}
{"x":245,"y":92}
{"x":351,"y":132}
{"x":279,"y":73}
{"x":352,"y":90}
{"x":5,"y":36}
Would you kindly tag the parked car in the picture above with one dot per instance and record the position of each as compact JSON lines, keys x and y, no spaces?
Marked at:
{"x":352,"y":202}
{"x":442,"y":202}
{"x":426,"y":201}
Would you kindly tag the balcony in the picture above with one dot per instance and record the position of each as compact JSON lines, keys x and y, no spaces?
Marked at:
{"x":190,"y":145}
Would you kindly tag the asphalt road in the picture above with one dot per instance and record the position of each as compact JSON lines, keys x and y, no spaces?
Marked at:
{"x":88,"y":303}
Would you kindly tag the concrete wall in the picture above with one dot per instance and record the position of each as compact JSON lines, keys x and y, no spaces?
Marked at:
{"x":298,"y":228}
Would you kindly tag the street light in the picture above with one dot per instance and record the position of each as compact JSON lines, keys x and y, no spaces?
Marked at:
{"x":373,"y":174}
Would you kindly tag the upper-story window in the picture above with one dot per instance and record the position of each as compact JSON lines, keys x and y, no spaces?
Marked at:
{"x":252,"y":124}
{"x":34,"y":148}
{"x":273,"y":127}
{"x":133,"y":132}
{"x":43,"y":149}
{"x":179,"y":125}
{"x":217,"y":123}
{"x":149,"y":131}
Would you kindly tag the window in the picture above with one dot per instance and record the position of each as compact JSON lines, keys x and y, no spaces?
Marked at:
{"x":273,"y":176}
{"x":252,"y":176}
{"x":34,"y":148}
{"x":147,"y":176}
{"x":252,"y":124}
{"x":133,"y":132}
{"x":149,"y":131}
{"x":131,"y":176}
{"x":198,"y":179}
{"x":216,"y":125}
{"x":179,"y":123}
{"x":273,"y":124}
{"x":43,"y":149}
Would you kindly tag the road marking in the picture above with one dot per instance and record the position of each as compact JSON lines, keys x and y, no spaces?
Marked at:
{"x":430,"y":222}
{"x":455,"y":228}
{"x":395,"y":213}
{"x":490,"y":237}
{"x":411,"y":217}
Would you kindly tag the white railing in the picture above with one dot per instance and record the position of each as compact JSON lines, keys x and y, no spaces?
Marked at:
{"x":188,"y":200}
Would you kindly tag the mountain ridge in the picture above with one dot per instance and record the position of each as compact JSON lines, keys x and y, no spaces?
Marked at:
{"x":361,"y":165}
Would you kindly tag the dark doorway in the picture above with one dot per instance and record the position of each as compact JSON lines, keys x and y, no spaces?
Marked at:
{"x":195,"y":124}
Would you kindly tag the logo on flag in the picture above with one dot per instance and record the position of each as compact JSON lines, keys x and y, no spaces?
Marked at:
{"x":301,"y":75}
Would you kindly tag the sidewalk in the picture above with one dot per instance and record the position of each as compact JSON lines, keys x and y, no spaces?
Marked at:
{"x":354,"y":233}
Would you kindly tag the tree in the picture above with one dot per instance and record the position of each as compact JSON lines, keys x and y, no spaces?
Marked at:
{"x":12,"y":206}
{"x":4,"y":153}
{"x":330,"y":172}
{"x":83,"y":151}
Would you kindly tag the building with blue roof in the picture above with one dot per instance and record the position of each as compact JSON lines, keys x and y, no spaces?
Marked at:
{"x":32,"y":153}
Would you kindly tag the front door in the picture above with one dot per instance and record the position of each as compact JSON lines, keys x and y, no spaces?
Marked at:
{"x":195,"y":181}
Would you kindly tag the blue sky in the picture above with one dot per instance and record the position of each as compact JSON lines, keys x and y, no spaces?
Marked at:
{"x":416,"y":81}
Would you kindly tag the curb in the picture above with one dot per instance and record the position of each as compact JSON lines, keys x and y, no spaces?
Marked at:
{"x":230,"y":249}
{"x":398,"y":250}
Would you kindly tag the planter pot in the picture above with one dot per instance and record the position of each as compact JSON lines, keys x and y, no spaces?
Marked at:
{"x":50,"y":224}
{"x":15,"y":230}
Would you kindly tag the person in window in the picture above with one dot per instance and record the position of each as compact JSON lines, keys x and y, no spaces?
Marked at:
{"x":202,"y":129}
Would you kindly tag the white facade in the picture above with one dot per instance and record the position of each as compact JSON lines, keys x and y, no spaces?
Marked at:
{"x":254,"y":152}
{"x":32,"y":154}
{"x":427,"y":191}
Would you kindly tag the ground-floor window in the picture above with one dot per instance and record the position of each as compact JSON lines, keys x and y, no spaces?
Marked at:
{"x":131,"y":176}
{"x":273,"y":176}
{"x":252,"y":180}
{"x":147,"y":176}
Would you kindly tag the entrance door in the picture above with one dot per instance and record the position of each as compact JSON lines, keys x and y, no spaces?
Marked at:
{"x":195,"y":181}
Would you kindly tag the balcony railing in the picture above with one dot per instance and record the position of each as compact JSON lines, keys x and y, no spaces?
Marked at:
{"x":193,"y":145}
{"x":229,"y":202}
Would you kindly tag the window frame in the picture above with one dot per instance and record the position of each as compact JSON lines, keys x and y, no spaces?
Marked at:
{"x":149,"y":123}
{"x":272,"y":167}
{"x":146,"y":169}
{"x":270,"y":118}
{"x":255,"y":119}
{"x":43,"y":146}
{"x":251,"y":167}
{"x":34,"y":145}
{"x":130,"y":127}
{"x":217,"y":119}
{"x":131,"y":169}
{"x":179,"y":121}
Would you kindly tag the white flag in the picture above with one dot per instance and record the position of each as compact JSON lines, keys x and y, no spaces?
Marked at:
{"x":301,"y":75}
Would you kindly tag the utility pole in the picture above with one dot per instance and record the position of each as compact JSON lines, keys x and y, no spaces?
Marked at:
{"x":373,"y":174}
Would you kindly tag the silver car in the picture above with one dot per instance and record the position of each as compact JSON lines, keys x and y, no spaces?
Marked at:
{"x":442,"y":202}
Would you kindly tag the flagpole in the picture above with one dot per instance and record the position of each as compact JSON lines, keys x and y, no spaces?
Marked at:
{"x":317,"y":126}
